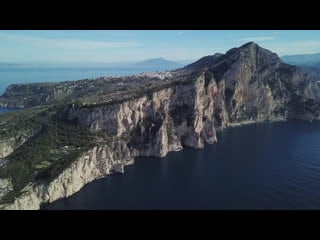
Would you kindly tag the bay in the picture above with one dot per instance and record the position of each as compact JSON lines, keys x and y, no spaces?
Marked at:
{"x":259,"y":166}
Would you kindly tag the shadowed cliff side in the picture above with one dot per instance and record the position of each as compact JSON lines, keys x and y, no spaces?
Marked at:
{"x":82,"y":130}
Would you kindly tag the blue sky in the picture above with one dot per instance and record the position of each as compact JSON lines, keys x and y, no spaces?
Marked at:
{"x":126,"y":46}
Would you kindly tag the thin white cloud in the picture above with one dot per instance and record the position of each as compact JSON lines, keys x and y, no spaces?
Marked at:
{"x":180,"y":33}
{"x":66,"y":43}
{"x":257,"y":39}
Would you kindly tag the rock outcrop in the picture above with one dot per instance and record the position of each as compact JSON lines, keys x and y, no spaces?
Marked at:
{"x":246,"y":84}
{"x":259,"y":86}
{"x":96,"y":163}
{"x":8,"y":145}
{"x":5,"y":186}
{"x":163,"y":121}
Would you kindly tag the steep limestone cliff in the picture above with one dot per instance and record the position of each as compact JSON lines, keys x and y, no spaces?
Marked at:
{"x":259,"y":86}
{"x":96,"y":163}
{"x":15,"y":131}
{"x":147,"y":126}
{"x":8,"y":145}
{"x":161,"y":122}
{"x":246,"y":84}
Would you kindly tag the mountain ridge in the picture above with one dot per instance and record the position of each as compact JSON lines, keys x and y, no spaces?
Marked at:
{"x":305,"y":60}
{"x":111,"y":120}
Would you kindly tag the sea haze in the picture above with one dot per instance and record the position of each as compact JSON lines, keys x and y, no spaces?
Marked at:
{"x":259,"y":166}
{"x":15,"y":75}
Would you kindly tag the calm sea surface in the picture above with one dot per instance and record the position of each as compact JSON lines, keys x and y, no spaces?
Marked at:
{"x":32,"y":75}
{"x":260,"y":166}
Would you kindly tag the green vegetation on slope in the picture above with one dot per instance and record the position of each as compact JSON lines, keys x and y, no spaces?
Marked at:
{"x":48,"y":152}
{"x":48,"y":144}
{"x":13,"y":123}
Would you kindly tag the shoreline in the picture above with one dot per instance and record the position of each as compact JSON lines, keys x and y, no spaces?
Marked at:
{"x":230,"y":125}
{"x":243,"y":123}
{"x":179,"y":150}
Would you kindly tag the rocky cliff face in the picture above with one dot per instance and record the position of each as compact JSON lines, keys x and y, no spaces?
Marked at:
{"x":164,"y":121}
{"x":245,"y":84}
{"x":259,"y":86}
{"x":8,"y":145}
{"x":185,"y":115}
{"x":96,"y":163}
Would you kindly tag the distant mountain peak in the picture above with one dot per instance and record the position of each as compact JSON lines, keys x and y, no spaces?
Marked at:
{"x":158,"y":63}
{"x":159,"y":59}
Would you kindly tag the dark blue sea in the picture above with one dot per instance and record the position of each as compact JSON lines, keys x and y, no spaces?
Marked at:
{"x":259,"y":166}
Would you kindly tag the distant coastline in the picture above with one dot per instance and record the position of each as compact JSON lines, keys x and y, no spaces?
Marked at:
{"x":17,"y":75}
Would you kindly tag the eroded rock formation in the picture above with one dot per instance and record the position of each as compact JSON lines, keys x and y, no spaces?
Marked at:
{"x":246,"y":84}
